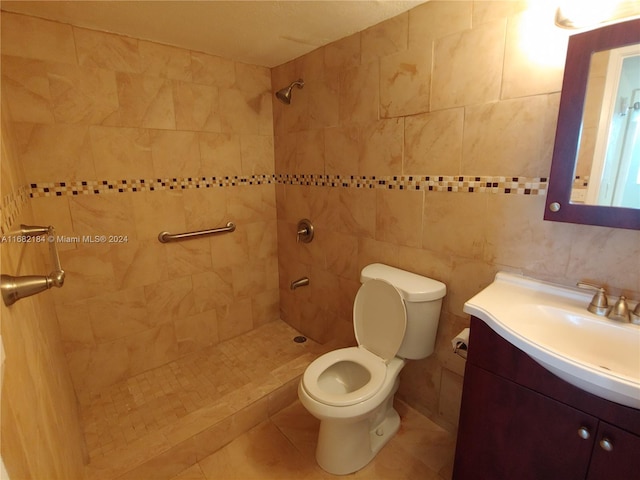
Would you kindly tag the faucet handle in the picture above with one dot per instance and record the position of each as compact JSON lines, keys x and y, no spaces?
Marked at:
{"x":599,"y":304}
{"x":620,"y":310}
{"x":305,"y":231}
{"x":634,"y":317}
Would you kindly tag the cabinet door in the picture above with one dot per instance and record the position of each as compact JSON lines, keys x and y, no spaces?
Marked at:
{"x":509,"y":432}
{"x":616,"y":454}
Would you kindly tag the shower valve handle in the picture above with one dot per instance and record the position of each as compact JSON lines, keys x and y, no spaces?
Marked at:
{"x":304,"y":231}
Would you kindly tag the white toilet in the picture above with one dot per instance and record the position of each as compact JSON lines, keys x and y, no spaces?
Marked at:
{"x":350,"y":390}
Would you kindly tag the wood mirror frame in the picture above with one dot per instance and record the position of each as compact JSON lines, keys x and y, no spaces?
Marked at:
{"x":558,"y":206}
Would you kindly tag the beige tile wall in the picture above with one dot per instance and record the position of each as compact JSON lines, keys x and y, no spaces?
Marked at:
{"x":41,"y":435}
{"x":445,"y":89}
{"x":92,"y":106}
{"x":448,"y":88}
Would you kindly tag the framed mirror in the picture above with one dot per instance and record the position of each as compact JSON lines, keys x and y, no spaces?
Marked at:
{"x":595,"y":171}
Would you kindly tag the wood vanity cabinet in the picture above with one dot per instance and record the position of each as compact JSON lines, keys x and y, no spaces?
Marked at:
{"x":519,"y":421}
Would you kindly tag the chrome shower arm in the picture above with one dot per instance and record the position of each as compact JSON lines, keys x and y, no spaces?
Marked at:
{"x":14,"y":288}
{"x":284,"y":94}
{"x":34,"y":231}
{"x":58,"y":273}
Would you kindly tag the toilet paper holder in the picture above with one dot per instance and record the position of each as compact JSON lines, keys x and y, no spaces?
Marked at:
{"x":460,"y":343}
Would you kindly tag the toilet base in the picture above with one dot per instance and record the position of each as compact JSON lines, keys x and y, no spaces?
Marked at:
{"x":345,"y":447}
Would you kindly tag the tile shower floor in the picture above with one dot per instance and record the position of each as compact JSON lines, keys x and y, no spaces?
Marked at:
{"x":231,"y":412}
{"x":197,"y":403}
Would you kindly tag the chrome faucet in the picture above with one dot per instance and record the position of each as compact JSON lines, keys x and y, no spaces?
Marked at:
{"x":620,"y":312}
{"x":599,"y":304}
{"x":301,"y":282}
{"x":634,"y":317}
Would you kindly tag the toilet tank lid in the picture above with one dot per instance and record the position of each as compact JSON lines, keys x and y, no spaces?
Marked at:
{"x":413,"y":287}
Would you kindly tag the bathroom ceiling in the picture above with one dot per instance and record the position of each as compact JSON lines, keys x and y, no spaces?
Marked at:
{"x":266,"y":33}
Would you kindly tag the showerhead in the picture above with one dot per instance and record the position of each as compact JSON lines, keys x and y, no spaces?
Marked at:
{"x":284,"y":95}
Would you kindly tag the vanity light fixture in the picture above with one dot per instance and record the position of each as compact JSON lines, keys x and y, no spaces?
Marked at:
{"x":576,"y":14}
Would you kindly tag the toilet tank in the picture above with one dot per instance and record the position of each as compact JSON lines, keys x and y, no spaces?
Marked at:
{"x":422,"y":299}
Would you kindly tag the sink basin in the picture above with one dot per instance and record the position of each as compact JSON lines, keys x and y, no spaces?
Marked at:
{"x":551,"y":324}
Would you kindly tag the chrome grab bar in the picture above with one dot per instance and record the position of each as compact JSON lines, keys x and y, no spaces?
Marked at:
{"x":14,"y":288}
{"x":166,"y":237}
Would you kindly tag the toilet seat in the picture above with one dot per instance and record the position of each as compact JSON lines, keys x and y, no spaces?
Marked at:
{"x":374,"y":365}
{"x":379,"y":320}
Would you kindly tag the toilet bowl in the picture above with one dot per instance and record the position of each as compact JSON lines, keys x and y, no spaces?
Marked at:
{"x":351,"y":390}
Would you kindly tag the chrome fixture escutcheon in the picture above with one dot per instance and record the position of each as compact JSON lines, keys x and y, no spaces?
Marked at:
{"x":304,"y":232}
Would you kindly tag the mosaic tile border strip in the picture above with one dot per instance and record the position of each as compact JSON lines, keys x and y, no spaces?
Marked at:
{"x":96,"y":187}
{"x":466,"y":184}
{"x":437,"y":183}
{"x":11,"y":207}
{"x":12,"y":203}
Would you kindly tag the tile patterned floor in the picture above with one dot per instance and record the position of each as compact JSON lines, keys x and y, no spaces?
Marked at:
{"x":196,"y":417}
{"x":283,"y":448}
{"x":144,"y":404}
